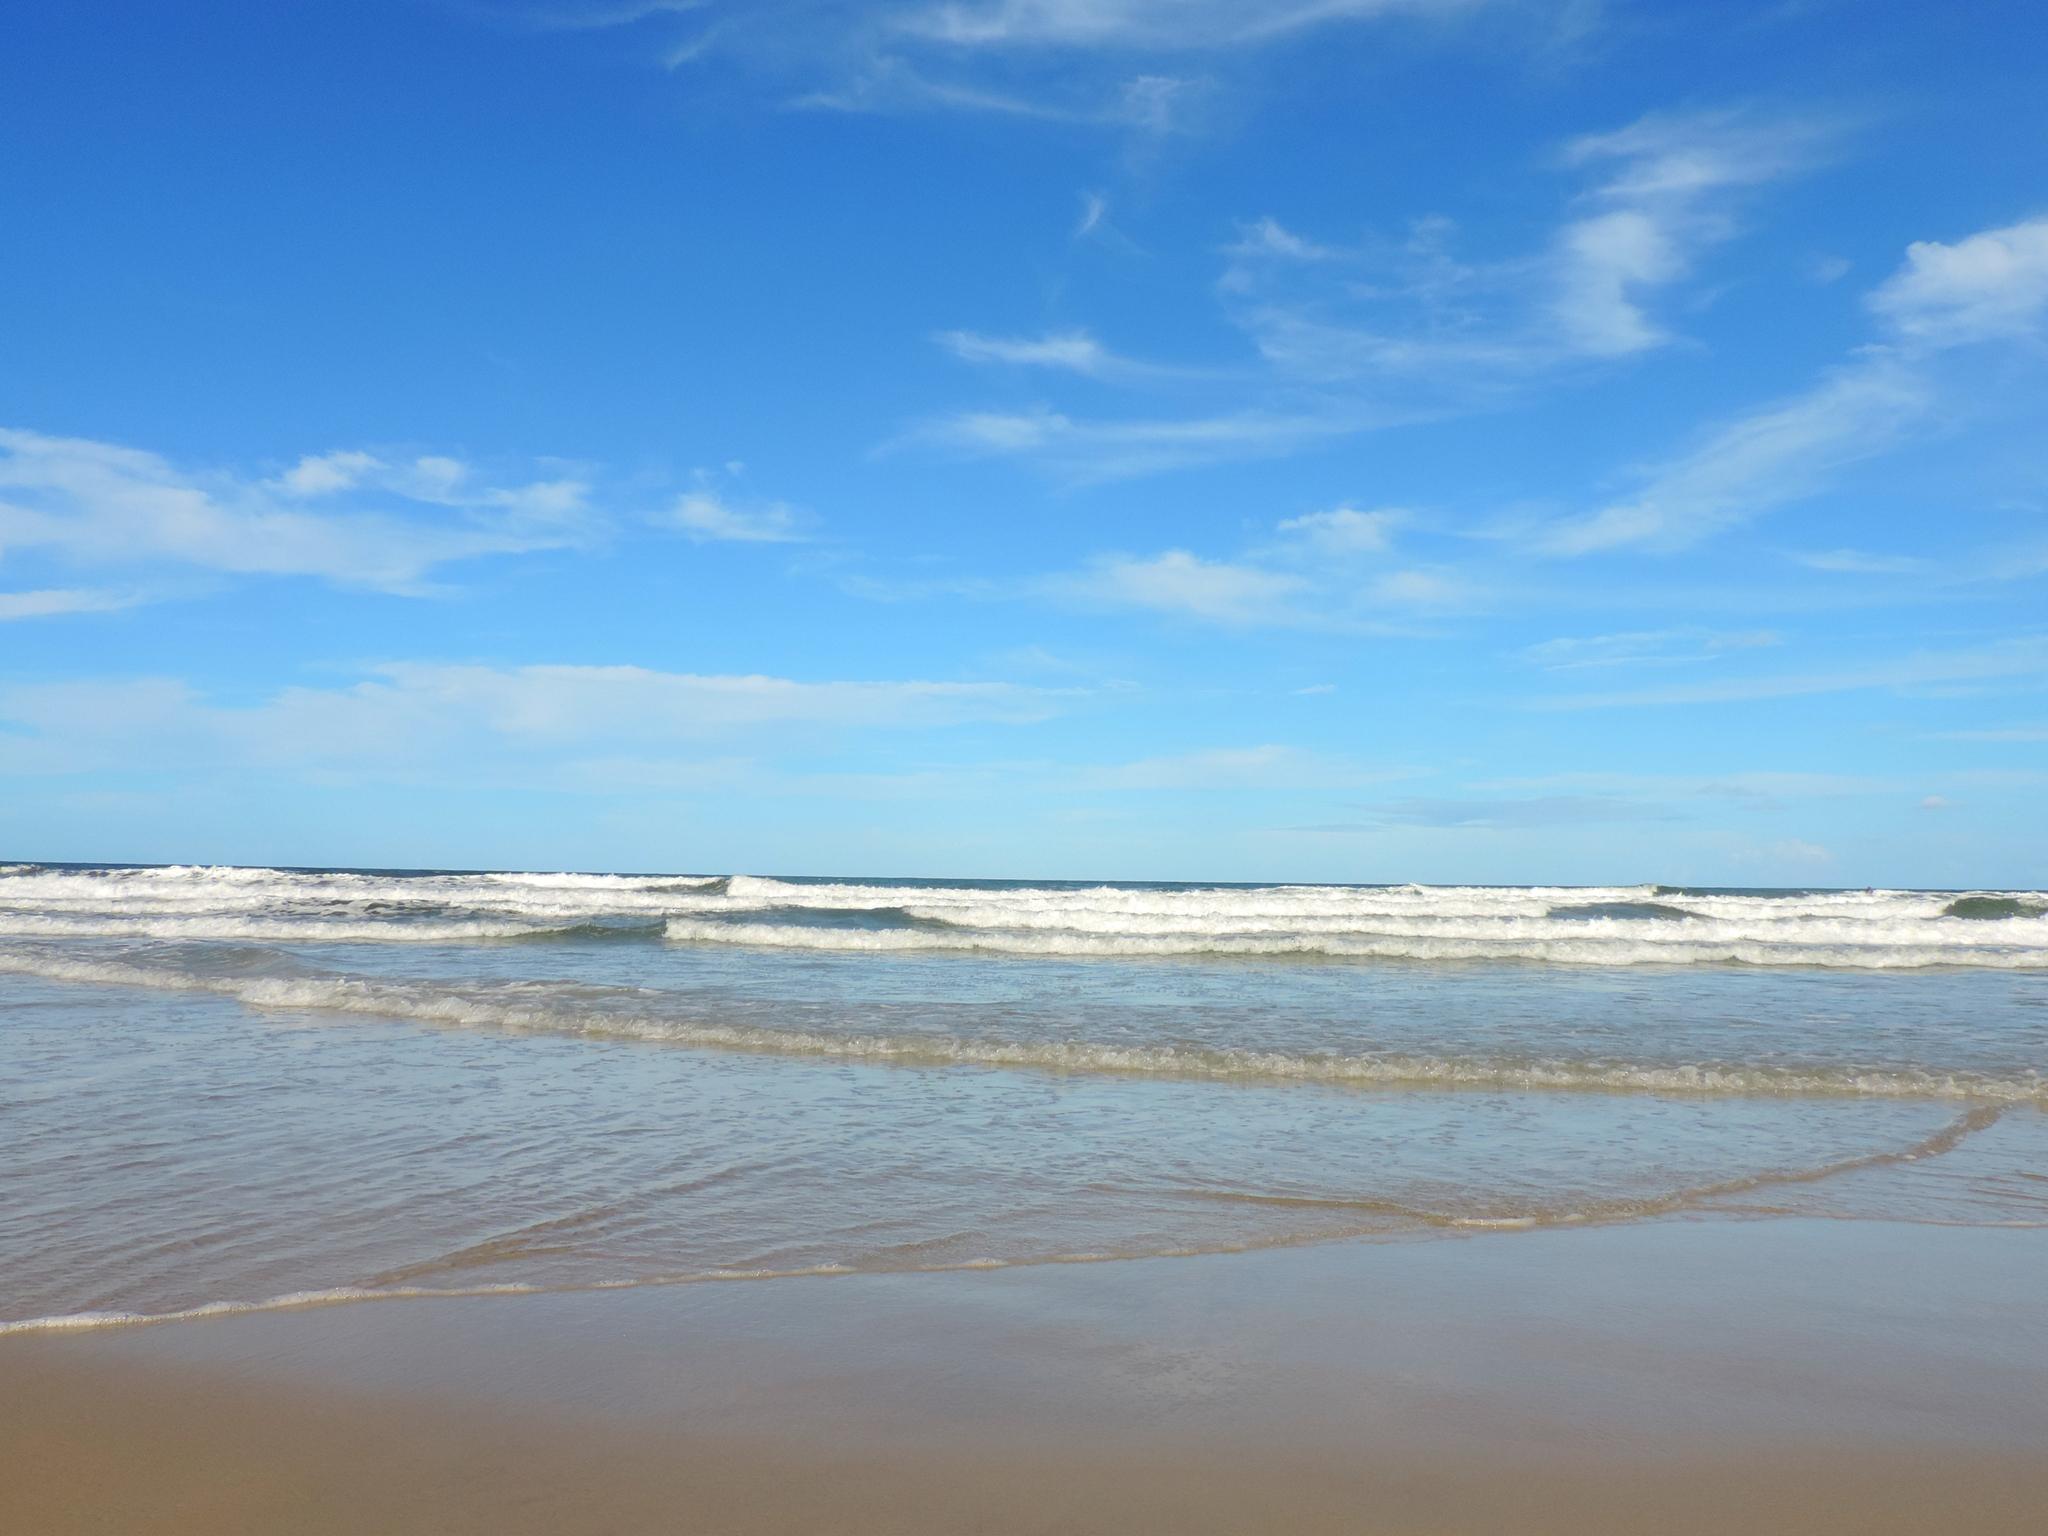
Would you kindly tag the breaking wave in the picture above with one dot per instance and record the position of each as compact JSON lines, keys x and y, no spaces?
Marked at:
{"x":1993,"y":908}
{"x":1588,"y":926}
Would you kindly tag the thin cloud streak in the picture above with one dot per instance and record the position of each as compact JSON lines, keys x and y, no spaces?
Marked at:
{"x":2019,"y":660}
{"x":52,"y":602}
{"x":405,"y":714}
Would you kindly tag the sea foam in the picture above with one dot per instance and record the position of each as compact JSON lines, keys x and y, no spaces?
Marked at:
{"x":1588,"y":926}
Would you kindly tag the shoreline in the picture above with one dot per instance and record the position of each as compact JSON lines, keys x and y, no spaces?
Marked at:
{"x":1679,"y":1375}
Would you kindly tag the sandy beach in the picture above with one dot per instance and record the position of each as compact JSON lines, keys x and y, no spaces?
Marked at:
{"x":1683,"y":1376}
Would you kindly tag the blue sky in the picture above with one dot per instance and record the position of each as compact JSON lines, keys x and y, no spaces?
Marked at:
{"x":1403,"y":439}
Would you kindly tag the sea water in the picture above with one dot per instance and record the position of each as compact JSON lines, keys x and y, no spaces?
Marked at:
{"x":231,"y":1088}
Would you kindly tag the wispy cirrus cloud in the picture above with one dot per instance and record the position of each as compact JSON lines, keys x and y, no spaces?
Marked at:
{"x":1348,"y":338}
{"x":711,"y":512}
{"x":101,"y":504}
{"x":1133,"y":24}
{"x":1139,"y":68}
{"x":1344,"y":531}
{"x":1645,"y":647}
{"x":1151,"y":105}
{"x":2008,"y":733}
{"x":1332,"y":570}
{"x":1780,"y":453}
{"x":50,"y":602}
{"x":1664,"y":196}
{"x":2021,"y":661}
{"x":381,"y":521}
{"x":1988,"y":288}
{"x":706,"y":515}
{"x":408,"y":714}
{"x":1659,"y":193}
{"x":1073,"y":351}
{"x":1184,"y":585}
{"x":1859,"y":562}
{"x":1085,"y":451}
{"x":598,"y":15}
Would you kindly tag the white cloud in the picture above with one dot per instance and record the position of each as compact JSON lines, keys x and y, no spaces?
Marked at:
{"x":887,"y":84}
{"x":1075,"y":351}
{"x":705,"y":515}
{"x":1349,"y":339}
{"x":1344,"y":530}
{"x":321,"y":474}
{"x":1762,"y":460}
{"x":1604,"y":262}
{"x":1992,"y":284}
{"x":1308,"y":575}
{"x":1663,"y":192}
{"x":1088,"y":451}
{"x":1268,"y":237}
{"x":1682,"y":155}
{"x":1088,"y":62}
{"x":1661,"y":202}
{"x":1137,"y":23}
{"x":595,"y":15}
{"x":51,"y":601}
{"x":1307,"y":580}
{"x":1180,"y":583}
{"x":94,"y":503}
{"x":619,"y":702}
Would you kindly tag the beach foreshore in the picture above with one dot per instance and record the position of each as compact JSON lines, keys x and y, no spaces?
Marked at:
{"x":1672,"y":1376}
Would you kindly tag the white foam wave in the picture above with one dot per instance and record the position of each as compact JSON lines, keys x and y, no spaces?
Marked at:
{"x":1537,"y":925}
{"x":1571,"y":947}
{"x":1607,"y":925}
{"x":529,"y":1007}
{"x":276,"y":931}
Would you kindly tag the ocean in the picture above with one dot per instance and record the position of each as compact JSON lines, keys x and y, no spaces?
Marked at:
{"x":226,"y":1089}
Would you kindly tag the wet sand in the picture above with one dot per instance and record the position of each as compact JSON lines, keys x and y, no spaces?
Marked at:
{"x":1678,"y":1376}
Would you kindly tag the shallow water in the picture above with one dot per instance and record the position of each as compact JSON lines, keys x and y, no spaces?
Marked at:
{"x":226,"y":1087}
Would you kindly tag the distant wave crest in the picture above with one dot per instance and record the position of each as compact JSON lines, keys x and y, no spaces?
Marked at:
{"x":1591,"y":926}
